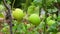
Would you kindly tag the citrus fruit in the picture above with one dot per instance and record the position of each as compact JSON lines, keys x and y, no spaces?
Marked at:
{"x":51,"y":22}
{"x":18,"y":14}
{"x":34,"y":19}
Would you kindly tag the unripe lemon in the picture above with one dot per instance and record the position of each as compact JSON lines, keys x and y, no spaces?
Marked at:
{"x":51,"y":22}
{"x":18,"y":14}
{"x":34,"y":19}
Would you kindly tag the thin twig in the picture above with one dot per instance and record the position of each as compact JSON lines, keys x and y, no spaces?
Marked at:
{"x":8,"y":15}
{"x":13,"y":3}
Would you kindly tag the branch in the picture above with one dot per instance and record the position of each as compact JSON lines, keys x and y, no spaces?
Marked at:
{"x":4,"y":1}
{"x":8,"y":15}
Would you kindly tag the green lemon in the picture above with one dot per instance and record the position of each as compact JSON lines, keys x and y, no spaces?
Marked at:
{"x":34,"y":19}
{"x":51,"y":22}
{"x":18,"y":14}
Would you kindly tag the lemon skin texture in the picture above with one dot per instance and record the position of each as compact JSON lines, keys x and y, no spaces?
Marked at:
{"x":18,"y":14}
{"x":34,"y":19}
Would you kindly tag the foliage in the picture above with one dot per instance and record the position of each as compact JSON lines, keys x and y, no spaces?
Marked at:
{"x":35,"y":19}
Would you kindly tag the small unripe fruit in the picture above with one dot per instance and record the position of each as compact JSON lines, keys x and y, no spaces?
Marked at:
{"x":51,"y":22}
{"x":18,"y":14}
{"x":34,"y":19}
